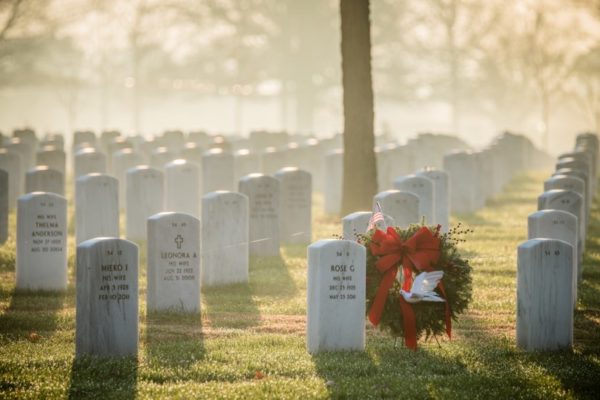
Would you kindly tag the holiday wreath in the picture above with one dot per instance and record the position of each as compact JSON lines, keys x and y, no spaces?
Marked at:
{"x":399,"y":259}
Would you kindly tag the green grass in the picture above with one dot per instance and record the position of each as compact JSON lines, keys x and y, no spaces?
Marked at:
{"x":249,"y":341}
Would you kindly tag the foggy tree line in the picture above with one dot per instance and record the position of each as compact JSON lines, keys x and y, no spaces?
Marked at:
{"x":509,"y":60}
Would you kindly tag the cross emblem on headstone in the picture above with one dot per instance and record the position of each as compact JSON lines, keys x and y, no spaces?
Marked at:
{"x":178,"y":241}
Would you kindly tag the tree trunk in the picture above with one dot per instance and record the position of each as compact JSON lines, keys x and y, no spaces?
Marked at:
{"x":360,"y":171}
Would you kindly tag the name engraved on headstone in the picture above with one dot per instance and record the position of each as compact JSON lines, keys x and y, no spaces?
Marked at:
{"x":173,"y":262}
{"x":41,"y":242}
{"x":113,"y":284}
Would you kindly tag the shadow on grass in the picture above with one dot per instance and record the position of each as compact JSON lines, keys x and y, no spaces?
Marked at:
{"x":174,"y":339}
{"x":32,"y":311}
{"x":95,"y":378}
{"x":230,"y":306}
{"x":274,"y":277}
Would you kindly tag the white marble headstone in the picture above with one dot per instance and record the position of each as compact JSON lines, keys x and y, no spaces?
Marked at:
{"x":24,"y":150}
{"x":295,"y":205}
{"x":567,"y":182}
{"x":11,"y":163}
{"x":225,"y":238}
{"x":161,"y":157}
{"x":54,"y":158}
{"x":182,"y":193}
{"x":217,"y":171}
{"x":145,"y":197}
{"x":561,"y":225}
{"x":545,"y":295}
{"x":96,"y":207}
{"x":403,"y":207}
{"x":356,"y":223}
{"x":107,"y":298}
{"x":122,"y":161}
{"x":44,"y":179}
{"x":263,"y":200}
{"x":41,"y":242}
{"x":87,"y":161}
{"x":566,"y":200}
{"x":336,"y":296}
{"x":173,"y":262}
{"x":424,"y":189}
{"x":245,"y":163}
{"x":462,"y":171}
{"x":441,"y":183}
{"x":333,"y":175}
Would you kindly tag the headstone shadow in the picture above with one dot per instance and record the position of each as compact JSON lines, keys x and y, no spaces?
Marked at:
{"x":174,"y":339}
{"x":32,"y":312}
{"x":270,"y":276}
{"x":95,"y":377}
{"x":230,"y":306}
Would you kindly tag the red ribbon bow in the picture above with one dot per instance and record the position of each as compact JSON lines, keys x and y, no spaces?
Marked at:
{"x":419,"y":252}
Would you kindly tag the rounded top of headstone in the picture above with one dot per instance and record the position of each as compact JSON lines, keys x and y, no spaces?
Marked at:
{"x":35,"y":195}
{"x":311,"y":142}
{"x":287,"y":170}
{"x":560,"y":177}
{"x":215,"y":151}
{"x":531,"y":243}
{"x":396,"y":193}
{"x":548,"y":212}
{"x":254,"y":175}
{"x":177,"y":162}
{"x":569,"y":171}
{"x":292,"y":146}
{"x":49,"y":148}
{"x":412,"y":178}
{"x":337,"y":243}
{"x":222,"y":193}
{"x":558,"y":193}
{"x":120,"y":139}
{"x":16,"y":141}
{"x":120,"y":152}
{"x":191,"y":146}
{"x":161,"y":150}
{"x":39,"y":168}
{"x":242,"y":152}
{"x":145,"y":170}
{"x":96,"y":176}
{"x":86,"y":150}
{"x":106,"y":240}
{"x":460,"y":152}
{"x":170,"y":215}
{"x":356,"y":214}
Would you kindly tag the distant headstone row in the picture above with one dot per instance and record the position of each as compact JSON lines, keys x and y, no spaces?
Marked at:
{"x":550,"y":263}
{"x":462,"y":180}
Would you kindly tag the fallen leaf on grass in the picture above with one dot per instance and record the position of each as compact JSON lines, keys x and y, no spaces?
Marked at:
{"x":33,"y":337}
{"x":258,"y":375}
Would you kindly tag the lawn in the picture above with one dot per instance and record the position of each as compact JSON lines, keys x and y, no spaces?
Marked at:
{"x":249,"y":341}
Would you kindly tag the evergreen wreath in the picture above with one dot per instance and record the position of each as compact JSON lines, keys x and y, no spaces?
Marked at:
{"x":430,"y":318}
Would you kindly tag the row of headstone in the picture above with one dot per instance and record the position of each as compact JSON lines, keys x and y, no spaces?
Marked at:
{"x":473,"y":176}
{"x":550,"y":262}
{"x":477,"y":176}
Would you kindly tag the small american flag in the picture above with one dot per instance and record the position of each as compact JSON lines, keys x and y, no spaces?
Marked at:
{"x":376,"y":217}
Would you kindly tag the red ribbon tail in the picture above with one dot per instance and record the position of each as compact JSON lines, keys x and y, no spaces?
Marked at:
{"x":380,"y":298}
{"x":410,"y":325}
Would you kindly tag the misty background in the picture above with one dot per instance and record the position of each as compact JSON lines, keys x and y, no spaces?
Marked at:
{"x":467,"y":67}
